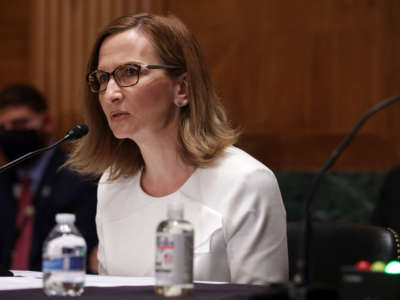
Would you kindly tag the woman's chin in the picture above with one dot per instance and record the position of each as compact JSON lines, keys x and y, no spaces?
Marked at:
{"x":131,"y":133}
{"x":122,"y":131}
{"x":120,"y":135}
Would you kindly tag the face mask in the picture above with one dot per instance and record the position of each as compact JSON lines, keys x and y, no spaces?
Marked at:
{"x":16,"y":143}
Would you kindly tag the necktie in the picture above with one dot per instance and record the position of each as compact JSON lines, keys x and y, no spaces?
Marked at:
{"x":24,"y":225}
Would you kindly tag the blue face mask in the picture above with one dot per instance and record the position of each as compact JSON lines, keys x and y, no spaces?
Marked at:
{"x":16,"y":143}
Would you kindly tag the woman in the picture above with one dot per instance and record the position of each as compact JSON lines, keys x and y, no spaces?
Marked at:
{"x":157,"y":133}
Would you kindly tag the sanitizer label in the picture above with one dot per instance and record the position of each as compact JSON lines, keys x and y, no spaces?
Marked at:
{"x":174,"y":259}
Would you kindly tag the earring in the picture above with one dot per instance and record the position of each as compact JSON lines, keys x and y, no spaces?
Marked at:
{"x":179,"y":103}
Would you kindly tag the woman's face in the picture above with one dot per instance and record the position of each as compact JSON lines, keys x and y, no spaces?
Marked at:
{"x":144,"y":110}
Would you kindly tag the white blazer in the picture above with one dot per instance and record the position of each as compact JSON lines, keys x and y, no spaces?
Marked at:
{"x":235,"y":207}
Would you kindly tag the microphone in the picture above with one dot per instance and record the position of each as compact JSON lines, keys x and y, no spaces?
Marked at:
{"x":74,"y":133}
{"x":304,"y":263}
{"x":302,"y":289}
{"x":317,"y":179}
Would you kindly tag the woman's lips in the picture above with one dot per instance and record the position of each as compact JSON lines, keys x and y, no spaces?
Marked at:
{"x":119,"y":115}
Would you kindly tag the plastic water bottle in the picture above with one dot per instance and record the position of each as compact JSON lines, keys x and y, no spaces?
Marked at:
{"x":64,"y":259}
{"x":174,"y":254}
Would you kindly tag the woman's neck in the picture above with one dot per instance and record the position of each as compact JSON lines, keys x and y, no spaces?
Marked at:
{"x":164,"y":169}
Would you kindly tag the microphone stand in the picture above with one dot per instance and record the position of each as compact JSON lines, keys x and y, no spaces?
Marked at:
{"x":30,"y":154}
{"x":74,"y":133}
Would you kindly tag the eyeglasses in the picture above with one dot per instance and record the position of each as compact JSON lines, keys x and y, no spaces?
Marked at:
{"x":125,"y":75}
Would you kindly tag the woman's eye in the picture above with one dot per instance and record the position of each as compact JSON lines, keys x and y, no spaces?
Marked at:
{"x":103,"y":78}
{"x":130,"y":71}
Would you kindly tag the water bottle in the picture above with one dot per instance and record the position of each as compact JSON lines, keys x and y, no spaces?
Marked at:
{"x":64,"y":259}
{"x":174,"y":254}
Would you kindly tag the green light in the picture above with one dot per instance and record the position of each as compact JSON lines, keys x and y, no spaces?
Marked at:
{"x":393,"y":267}
{"x":378,"y":266}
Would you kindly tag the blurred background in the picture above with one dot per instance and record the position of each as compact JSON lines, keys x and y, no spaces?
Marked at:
{"x":295,"y":75}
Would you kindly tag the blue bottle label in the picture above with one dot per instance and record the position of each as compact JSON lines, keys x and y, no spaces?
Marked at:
{"x":66,"y":263}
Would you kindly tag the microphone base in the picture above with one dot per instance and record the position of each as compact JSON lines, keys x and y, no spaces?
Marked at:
{"x":359,"y":285}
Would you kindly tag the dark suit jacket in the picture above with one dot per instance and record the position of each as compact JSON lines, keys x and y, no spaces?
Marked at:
{"x":387,"y":209}
{"x":59,"y":191}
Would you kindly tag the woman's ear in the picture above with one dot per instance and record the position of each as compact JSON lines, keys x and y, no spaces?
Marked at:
{"x":181,"y":91}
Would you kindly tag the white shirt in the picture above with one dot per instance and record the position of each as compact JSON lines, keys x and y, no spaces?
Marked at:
{"x":235,"y":207}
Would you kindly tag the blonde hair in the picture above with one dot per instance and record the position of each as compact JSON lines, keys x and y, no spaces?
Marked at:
{"x":204,"y":130}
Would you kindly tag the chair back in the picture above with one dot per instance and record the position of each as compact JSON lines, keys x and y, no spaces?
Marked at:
{"x":337,"y":244}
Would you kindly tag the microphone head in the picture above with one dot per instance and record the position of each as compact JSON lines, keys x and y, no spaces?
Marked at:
{"x":77,"y":132}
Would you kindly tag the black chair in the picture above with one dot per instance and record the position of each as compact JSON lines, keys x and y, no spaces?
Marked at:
{"x":337,"y":244}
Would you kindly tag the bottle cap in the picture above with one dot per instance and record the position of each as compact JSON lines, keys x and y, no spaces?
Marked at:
{"x":65,"y":218}
{"x":175,"y":210}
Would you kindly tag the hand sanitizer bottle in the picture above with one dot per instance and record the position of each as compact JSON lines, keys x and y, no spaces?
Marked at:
{"x":174,"y":254}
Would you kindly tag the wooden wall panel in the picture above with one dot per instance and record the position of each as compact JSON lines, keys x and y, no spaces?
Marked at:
{"x":14,"y":42}
{"x":63,"y":32}
{"x":296,"y":77}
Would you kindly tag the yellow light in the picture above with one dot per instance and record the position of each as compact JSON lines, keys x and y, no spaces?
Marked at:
{"x":378,"y":266}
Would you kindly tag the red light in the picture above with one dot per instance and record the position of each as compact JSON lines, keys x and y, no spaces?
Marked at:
{"x":363,"y":265}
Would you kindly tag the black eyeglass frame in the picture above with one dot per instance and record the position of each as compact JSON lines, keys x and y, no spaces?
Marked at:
{"x":139,"y":66}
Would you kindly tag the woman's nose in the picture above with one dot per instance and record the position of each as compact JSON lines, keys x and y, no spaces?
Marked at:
{"x":112,"y":92}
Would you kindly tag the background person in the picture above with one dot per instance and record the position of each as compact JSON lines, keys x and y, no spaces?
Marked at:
{"x":33,"y":192}
{"x":158,"y":133}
